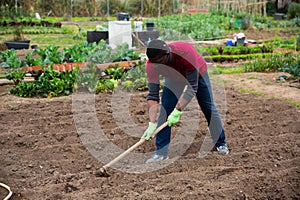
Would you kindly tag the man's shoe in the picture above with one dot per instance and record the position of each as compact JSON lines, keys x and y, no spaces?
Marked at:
{"x":223,"y":149}
{"x":157,"y":157}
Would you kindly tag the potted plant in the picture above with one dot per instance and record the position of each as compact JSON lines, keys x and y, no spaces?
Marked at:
{"x":18,"y":42}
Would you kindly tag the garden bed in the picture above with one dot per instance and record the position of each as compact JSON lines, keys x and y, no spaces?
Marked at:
{"x":31,"y":23}
{"x":70,"y":66}
{"x":43,"y":157}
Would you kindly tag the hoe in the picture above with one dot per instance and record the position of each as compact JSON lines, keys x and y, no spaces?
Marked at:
{"x":102,"y":171}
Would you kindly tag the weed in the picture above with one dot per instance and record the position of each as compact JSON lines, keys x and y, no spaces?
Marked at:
{"x":243,"y":90}
{"x":253,"y":77}
{"x":297,"y":105}
{"x":257,"y":93}
{"x":226,"y":70}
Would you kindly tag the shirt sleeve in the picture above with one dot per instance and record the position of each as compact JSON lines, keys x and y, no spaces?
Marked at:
{"x":192,"y":87}
{"x":153,"y":91}
{"x":153,"y":82}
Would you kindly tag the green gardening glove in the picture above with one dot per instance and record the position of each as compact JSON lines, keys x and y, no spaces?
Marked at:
{"x":149,"y":131}
{"x":174,"y":117}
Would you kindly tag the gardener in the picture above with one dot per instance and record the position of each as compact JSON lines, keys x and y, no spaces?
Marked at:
{"x":181,"y":66}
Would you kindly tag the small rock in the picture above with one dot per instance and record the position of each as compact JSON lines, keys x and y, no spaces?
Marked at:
{"x":55,"y":173}
{"x":88,"y":166}
{"x":70,"y":188}
{"x":189,"y":187}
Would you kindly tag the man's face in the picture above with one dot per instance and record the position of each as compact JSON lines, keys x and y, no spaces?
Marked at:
{"x":161,"y":59}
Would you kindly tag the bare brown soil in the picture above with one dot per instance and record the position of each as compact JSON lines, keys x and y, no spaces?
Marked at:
{"x":42,"y":156}
{"x":265,"y":84}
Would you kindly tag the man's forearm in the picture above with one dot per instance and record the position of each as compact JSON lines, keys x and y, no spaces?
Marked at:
{"x":153,"y":107}
{"x":181,"y":104}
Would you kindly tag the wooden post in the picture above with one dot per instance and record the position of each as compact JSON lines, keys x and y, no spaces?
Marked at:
{"x":265,"y":8}
{"x":257,"y":7}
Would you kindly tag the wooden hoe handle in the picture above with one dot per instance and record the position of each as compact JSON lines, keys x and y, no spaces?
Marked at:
{"x":133,"y":147}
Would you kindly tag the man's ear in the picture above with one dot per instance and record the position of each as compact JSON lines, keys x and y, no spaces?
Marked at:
{"x":168,"y":50}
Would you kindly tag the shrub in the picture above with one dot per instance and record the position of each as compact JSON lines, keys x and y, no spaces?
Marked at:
{"x":293,"y":10}
{"x":293,"y":69}
{"x":296,"y":21}
{"x":271,"y":8}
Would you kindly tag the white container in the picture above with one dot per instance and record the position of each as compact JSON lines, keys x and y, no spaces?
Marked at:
{"x":37,"y":16}
{"x":138,"y":26}
{"x":119,"y":32}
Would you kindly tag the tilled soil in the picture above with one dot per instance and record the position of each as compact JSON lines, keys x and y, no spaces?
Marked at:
{"x":49,"y":151}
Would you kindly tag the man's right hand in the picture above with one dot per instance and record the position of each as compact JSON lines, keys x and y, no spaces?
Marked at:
{"x":148,"y":134}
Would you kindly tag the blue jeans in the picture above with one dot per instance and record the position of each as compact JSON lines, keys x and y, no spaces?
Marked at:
{"x":171,"y":92}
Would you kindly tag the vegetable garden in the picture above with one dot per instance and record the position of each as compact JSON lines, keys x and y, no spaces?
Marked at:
{"x":48,"y":144}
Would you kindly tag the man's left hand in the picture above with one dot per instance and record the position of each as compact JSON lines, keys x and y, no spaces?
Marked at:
{"x":174,"y":117}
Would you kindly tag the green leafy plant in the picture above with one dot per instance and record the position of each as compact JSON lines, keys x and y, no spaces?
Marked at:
{"x":236,"y":50}
{"x":236,"y":58}
{"x":85,"y":52}
{"x":106,"y":85}
{"x":135,"y":78}
{"x":87,"y":78}
{"x":296,"y":21}
{"x":18,"y":33}
{"x":51,"y":55}
{"x":102,"y":53}
{"x":293,"y":69}
{"x":270,"y":63}
{"x":24,"y":89}
{"x":16,"y":75}
{"x":53,"y":83}
{"x":123,"y":53}
{"x":33,"y":60}
{"x":10,"y":60}
{"x":50,"y":84}
{"x":115,"y":72}
{"x":198,"y":26}
{"x":78,"y":52}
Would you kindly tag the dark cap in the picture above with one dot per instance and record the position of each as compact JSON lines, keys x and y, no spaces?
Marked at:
{"x":157,"y":48}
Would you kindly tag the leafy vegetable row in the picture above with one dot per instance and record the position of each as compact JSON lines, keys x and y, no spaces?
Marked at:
{"x":52,"y":83}
{"x":85,"y":52}
{"x":235,"y":50}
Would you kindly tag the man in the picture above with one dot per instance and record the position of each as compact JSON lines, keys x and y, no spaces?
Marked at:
{"x":185,"y":76}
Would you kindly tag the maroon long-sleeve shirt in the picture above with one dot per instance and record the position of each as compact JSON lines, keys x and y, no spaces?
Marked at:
{"x":185,"y":63}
